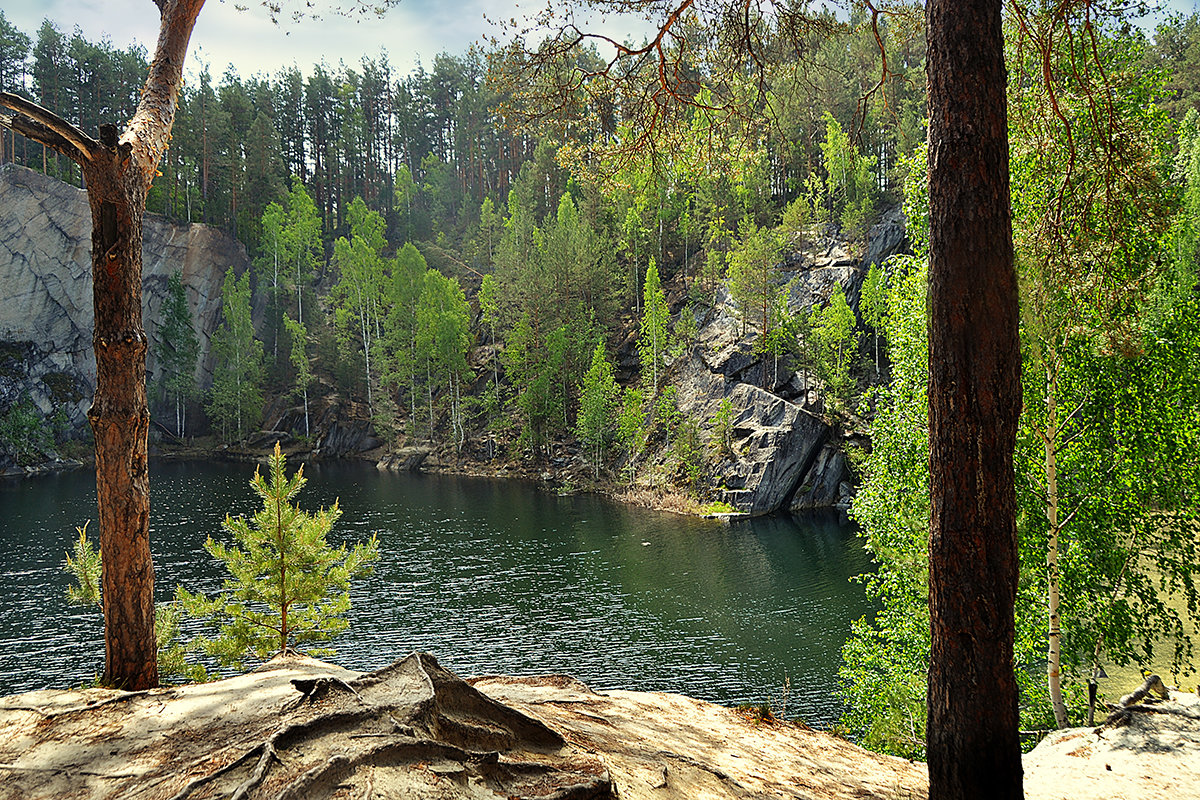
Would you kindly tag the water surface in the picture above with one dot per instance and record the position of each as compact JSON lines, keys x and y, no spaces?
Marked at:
{"x":489,"y":576}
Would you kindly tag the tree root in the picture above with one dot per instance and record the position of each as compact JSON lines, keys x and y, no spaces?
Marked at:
{"x":406,"y":728}
{"x":700,"y":765}
{"x":1123,"y":711}
{"x":120,"y":698}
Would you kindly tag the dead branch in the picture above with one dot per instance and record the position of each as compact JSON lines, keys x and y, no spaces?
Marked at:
{"x":1122,"y":712}
{"x":45,"y":127}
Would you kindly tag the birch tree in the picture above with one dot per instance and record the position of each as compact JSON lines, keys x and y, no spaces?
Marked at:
{"x":359,"y":292}
{"x":235,"y":399}
{"x":652,"y":339}
{"x":300,"y":363}
{"x":179,"y":349}
{"x":443,"y":336}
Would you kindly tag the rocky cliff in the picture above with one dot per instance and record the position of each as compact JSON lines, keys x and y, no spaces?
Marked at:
{"x":787,"y":456}
{"x":46,"y":291}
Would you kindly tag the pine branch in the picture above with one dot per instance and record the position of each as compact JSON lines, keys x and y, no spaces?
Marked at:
{"x":45,"y":127}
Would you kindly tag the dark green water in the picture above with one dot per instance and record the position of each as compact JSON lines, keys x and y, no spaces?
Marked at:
{"x":490,"y":577}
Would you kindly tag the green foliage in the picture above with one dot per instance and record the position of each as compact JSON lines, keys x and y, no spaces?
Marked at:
{"x":180,"y":347}
{"x":1109,"y":414}
{"x":85,"y":570}
{"x":288,"y":588}
{"x":359,"y":295}
{"x":23,"y":430}
{"x":401,"y":359}
{"x":849,"y":185}
{"x":686,"y":329}
{"x":885,"y":660}
{"x":688,"y":451}
{"x":173,"y":660}
{"x":300,"y":362}
{"x":631,"y":426}
{"x":832,"y":329}
{"x":722,"y":429}
{"x":598,"y":395}
{"x":752,"y":280}
{"x":717,"y":507}
{"x":538,"y":369}
{"x":443,"y":336}
{"x":300,"y":237}
{"x":84,"y":567}
{"x":652,"y":339}
{"x":235,"y":399}
{"x":873,"y":304}
{"x":268,"y":264}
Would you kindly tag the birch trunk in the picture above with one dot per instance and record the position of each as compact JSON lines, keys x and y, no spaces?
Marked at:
{"x":1054,"y":648}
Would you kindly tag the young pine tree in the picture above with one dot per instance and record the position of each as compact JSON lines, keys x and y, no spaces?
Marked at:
{"x":289,"y":587}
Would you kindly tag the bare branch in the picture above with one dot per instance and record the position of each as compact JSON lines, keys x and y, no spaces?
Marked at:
{"x":716,"y":58}
{"x":45,"y":127}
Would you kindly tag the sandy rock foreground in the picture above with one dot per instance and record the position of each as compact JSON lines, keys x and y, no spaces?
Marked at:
{"x":304,"y":729}
{"x":1155,"y":756}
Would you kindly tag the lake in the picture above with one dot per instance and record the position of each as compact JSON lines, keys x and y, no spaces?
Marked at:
{"x":488,"y":576}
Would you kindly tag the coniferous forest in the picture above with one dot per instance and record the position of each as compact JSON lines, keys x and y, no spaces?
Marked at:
{"x":488,"y":250}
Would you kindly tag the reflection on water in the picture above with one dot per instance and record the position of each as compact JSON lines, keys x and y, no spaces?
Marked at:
{"x":489,"y":576}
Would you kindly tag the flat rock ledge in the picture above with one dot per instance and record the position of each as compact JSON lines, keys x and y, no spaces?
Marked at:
{"x":1154,"y":756}
{"x":301,"y":728}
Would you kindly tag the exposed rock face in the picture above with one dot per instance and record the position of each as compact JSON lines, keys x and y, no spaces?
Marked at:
{"x":406,"y":459}
{"x":46,"y":291}
{"x":785,"y":455}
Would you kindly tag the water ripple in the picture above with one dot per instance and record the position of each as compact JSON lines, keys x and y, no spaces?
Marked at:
{"x":490,"y":577}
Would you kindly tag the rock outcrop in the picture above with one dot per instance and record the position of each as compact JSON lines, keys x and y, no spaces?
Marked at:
{"x":304,"y":729}
{"x":785,"y":455}
{"x":1155,"y":755}
{"x":46,"y":291}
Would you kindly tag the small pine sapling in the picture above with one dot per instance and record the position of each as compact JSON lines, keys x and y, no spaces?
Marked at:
{"x":289,"y":588}
{"x":84,"y":567}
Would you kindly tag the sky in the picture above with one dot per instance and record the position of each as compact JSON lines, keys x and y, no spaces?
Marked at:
{"x":411,"y":31}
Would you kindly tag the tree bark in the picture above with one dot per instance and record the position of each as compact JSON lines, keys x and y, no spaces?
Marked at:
{"x":120,"y":419}
{"x":974,"y":404}
{"x":119,"y":170}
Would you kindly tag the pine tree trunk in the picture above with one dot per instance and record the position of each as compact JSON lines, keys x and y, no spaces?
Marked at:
{"x":120,"y":420}
{"x":974,"y":403}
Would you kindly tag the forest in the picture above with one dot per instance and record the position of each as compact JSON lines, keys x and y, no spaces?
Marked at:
{"x":464,"y":255}
{"x":353,"y":183}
